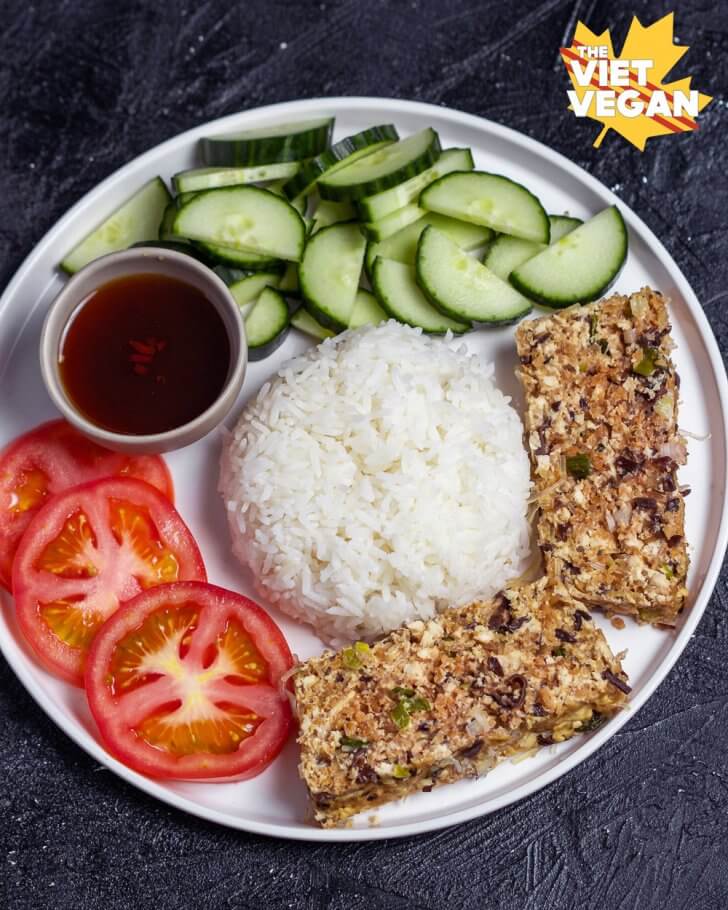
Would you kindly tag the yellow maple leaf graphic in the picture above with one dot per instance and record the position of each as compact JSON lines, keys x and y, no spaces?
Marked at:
{"x":655,"y":43}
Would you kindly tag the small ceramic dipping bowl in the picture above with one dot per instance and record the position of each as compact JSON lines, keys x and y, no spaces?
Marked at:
{"x":140,"y":262}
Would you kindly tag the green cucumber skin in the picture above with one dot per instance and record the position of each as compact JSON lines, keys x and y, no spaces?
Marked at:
{"x":597,"y":290}
{"x":220,"y":151}
{"x":165,"y":225}
{"x":184,"y":198}
{"x":337,"y":191}
{"x":260,"y":349}
{"x":309,"y":300}
{"x":378,"y":206}
{"x":260,"y":353}
{"x":368,"y":140}
{"x":208,"y":178}
{"x":441,"y":302}
{"x":247,"y":260}
{"x":240,"y":194}
{"x":426,"y":201}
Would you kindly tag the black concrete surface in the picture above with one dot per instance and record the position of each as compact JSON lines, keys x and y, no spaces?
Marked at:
{"x":86,"y":86}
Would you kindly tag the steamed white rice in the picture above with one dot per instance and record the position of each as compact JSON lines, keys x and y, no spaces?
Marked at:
{"x":377,"y":479}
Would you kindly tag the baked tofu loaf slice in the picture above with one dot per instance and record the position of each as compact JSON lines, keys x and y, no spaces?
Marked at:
{"x":435,"y":702}
{"x":601,"y":417}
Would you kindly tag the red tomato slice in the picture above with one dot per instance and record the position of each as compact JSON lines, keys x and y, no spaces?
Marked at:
{"x":183,"y":682}
{"x":49,"y":459}
{"x":86,"y":551}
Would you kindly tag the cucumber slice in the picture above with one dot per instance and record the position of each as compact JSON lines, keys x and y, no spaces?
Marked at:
{"x":246,"y":288}
{"x":209,"y":178}
{"x":269,"y":144}
{"x":288,"y":284}
{"x":329,"y":273}
{"x":247,"y":260}
{"x":184,"y":198}
{"x":244,"y":218}
{"x":304,"y":322}
{"x":402,"y":246}
{"x":561,"y":225}
{"x":266,"y":325}
{"x":382,"y":169}
{"x":136,"y":219}
{"x":506,"y":253}
{"x":165,"y":225}
{"x":300,"y":204}
{"x":489,"y":199}
{"x":460,"y":286}
{"x":397,"y":292}
{"x":327,"y":213}
{"x":578,"y":268}
{"x":341,"y":154}
{"x":373,"y":208}
{"x":366,"y":310}
{"x":391,"y":224}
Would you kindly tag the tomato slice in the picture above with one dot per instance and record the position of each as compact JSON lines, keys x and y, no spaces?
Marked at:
{"x":183,"y":682}
{"x":49,"y":459}
{"x":86,"y":551}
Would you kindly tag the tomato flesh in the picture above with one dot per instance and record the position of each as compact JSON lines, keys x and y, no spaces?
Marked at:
{"x":50,"y":459}
{"x":87,"y":551}
{"x":183,"y":683}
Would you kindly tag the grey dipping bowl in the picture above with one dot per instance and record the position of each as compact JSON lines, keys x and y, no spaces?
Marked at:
{"x":156,"y":261}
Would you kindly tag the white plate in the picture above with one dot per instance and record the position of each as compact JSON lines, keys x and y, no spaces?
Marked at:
{"x":275,"y":802}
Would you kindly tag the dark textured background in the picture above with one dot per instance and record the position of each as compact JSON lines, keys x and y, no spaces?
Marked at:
{"x":85,"y":86}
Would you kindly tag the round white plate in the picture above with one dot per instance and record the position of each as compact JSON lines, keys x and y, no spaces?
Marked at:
{"x":275,"y":802}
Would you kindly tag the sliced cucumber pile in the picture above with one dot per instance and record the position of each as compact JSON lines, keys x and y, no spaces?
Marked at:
{"x":137,"y":219}
{"x":397,"y":291}
{"x":244,"y":218}
{"x":329,"y":273}
{"x":339,"y":155}
{"x":382,"y":169}
{"x":279,"y":212}
{"x":506,"y":253}
{"x":461,"y":287}
{"x":578,"y":268}
{"x":269,"y":144}
{"x":374,"y":208}
{"x":267,"y":323}
{"x":489,"y":199}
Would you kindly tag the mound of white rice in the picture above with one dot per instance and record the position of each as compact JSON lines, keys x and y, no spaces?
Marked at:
{"x":377,"y":479}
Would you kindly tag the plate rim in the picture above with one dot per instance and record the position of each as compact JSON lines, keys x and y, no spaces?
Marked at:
{"x":17,"y":660}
